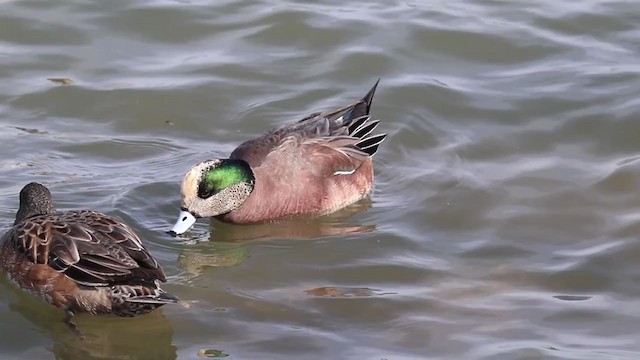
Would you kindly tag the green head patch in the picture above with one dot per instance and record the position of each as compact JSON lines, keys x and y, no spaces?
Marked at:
{"x":226,"y":173}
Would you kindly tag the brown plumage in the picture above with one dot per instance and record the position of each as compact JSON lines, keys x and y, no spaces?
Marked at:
{"x":315,"y":166}
{"x":80,"y":261}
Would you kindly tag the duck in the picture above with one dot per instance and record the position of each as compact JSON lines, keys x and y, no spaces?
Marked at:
{"x":80,"y":261}
{"x":312,"y":167}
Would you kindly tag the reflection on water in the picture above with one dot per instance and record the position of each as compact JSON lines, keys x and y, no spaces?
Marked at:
{"x":339,"y":223}
{"x":343,"y":292}
{"x":105,"y":337}
{"x":194,"y":259}
{"x":226,"y":245}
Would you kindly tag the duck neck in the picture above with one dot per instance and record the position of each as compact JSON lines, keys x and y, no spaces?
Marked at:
{"x":34,"y":209}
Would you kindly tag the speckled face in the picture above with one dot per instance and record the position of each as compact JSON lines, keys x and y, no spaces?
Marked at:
{"x":212,"y":188}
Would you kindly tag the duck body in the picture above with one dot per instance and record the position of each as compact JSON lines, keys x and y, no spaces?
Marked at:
{"x":315,"y":166}
{"x":80,"y":261}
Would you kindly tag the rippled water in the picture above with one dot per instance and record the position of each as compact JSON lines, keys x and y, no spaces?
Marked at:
{"x":505,"y":219}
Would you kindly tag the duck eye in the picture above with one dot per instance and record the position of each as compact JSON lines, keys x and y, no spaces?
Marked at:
{"x":205,"y":192}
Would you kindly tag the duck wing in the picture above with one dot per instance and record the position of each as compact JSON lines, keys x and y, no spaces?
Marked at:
{"x":345,"y":130}
{"x":91,"y":248}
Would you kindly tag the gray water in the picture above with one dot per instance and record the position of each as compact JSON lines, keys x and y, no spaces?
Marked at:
{"x":504,"y":222}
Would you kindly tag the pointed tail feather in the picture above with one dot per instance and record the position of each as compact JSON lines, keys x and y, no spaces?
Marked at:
{"x":347,"y":125}
{"x":365,"y":129}
{"x":348,"y":113}
{"x":168,"y":298}
{"x":357,"y":123}
{"x":363,"y":107}
{"x":158,"y":298}
{"x":370,"y":144}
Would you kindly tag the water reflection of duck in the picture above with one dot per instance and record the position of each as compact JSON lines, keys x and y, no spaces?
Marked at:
{"x":338,"y":223}
{"x":145,"y":337}
{"x":230,"y":247}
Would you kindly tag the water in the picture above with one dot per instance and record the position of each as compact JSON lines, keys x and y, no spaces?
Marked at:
{"x":504,"y":223}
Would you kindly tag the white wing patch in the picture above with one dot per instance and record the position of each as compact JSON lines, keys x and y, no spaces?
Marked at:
{"x":344,"y":172}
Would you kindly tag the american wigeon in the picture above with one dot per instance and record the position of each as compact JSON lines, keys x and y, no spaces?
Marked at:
{"x":315,"y":166}
{"x":80,"y":261}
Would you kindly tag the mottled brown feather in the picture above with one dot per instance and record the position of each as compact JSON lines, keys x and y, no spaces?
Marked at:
{"x":81,"y":261}
{"x":89,"y":247}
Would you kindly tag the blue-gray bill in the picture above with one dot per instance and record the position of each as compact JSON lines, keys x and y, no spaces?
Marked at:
{"x":184,"y":223}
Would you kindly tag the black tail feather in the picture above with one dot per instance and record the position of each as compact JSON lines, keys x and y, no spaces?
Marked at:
{"x":357,"y":123}
{"x":363,"y":107}
{"x":365,"y":129}
{"x":372,"y":150}
{"x":370,"y":144}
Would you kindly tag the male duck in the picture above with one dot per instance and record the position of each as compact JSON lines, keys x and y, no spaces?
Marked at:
{"x":315,"y":166}
{"x":80,"y":261}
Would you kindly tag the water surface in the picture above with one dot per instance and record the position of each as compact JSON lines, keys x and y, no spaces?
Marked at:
{"x":504,"y":223}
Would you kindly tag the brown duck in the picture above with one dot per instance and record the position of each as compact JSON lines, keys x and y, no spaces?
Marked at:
{"x":80,"y":261}
{"x":315,"y":166}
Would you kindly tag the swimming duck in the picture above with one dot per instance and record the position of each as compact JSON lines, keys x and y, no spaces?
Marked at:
{"x":80,"y":261}
{"x":315,"y":166}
